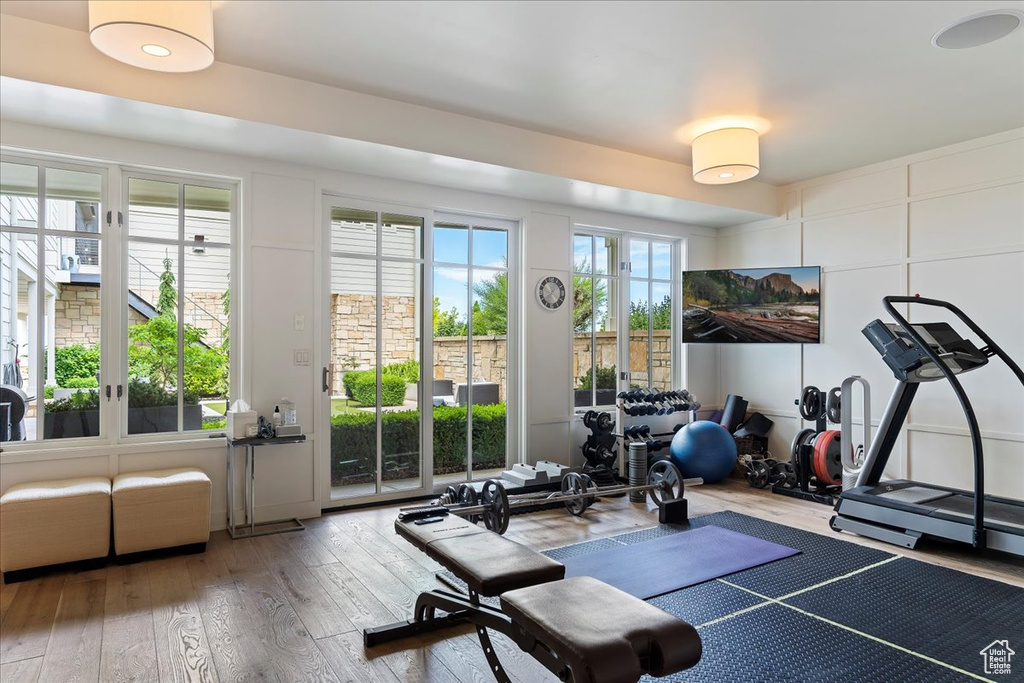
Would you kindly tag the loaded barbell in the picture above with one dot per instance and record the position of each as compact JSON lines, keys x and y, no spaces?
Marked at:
{"x":495,"y":506}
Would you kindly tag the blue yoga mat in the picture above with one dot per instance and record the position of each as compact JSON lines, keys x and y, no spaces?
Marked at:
{"x":666,"y":564}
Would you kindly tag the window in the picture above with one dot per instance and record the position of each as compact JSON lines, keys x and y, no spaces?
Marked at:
{"x":595,"y":314}
{"x":50,"y":304}
{"x":650,"y":314}
{"x":598,"y":348}
{"x":177,"y":239}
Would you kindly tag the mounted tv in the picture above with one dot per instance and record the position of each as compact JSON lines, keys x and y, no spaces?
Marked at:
{"x":752,"y":305}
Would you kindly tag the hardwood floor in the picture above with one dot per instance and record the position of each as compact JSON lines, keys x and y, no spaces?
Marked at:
{"x":292,"y":607}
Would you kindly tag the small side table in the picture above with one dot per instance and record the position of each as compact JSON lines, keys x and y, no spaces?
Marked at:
{"x":249,"y":445}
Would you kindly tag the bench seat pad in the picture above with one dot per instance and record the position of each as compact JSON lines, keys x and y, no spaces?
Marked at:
{"x":603,"y":634}
{"x":422,"y":535}
{"x":489,"y":564}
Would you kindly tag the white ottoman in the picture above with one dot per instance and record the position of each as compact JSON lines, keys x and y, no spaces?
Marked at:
{"x":50,"y":522}
{"x":160,"y":509}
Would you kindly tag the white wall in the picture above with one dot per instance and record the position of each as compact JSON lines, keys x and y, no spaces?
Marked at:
{"x":280,"y":277}
{"x":948,"y":224}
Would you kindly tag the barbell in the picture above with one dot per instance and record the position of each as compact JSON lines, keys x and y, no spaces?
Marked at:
{"x":495,"y":506}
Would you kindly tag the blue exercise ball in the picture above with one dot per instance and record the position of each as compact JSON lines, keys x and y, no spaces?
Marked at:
{"x":704,"y":449}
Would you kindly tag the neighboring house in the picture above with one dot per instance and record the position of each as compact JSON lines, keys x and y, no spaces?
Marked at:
{"x":997,"y":656}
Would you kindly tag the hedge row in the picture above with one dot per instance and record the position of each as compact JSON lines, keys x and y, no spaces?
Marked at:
{"x":74,"y":361}
{"x":353,"y":439}
{"x":363,"y":388}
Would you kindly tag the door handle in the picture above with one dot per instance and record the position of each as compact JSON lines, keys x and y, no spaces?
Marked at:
{"x":326,"y":385}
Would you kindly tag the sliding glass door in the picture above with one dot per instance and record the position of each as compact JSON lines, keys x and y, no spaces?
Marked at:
{"x":473,"y":363}
{"x":373,"y":381}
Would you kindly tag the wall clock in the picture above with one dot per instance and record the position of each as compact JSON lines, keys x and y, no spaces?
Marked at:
{"x":551,"y":292}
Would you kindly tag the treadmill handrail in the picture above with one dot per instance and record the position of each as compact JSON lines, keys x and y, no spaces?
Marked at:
{"x":965,"y":404}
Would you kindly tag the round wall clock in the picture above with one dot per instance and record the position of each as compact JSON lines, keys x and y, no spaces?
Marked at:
{"x":551,"y":292}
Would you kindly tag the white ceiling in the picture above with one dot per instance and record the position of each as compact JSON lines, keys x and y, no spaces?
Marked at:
{"x":843,"y":84}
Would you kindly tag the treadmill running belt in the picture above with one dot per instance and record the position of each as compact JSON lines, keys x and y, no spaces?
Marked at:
{"x":914,"y":495}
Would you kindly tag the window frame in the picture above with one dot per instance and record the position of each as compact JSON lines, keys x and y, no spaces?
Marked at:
{"x":42,"y":163}
{"x":113,"y":300}
{"x":125,"y":239}
{"x":623,"y":280}
{"x":512,"y":228}
{"x":614,"y":280}
{"x":674,"y":282}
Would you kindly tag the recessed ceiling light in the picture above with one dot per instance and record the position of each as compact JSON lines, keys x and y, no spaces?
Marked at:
{"x":978,"y":29}
{"x":726,"y":175}
{"x":156,"y":50}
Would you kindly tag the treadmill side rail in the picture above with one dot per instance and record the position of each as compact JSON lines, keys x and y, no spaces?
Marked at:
{"x":906,"y":539}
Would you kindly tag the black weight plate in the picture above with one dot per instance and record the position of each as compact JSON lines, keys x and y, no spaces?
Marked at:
{"x":572,"y":484}
{"x":798,"y":441}
{"x":498,"y":512}
{"x":467,"y":496}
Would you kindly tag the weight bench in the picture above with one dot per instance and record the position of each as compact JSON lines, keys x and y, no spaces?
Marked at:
{"x":580,"y":629}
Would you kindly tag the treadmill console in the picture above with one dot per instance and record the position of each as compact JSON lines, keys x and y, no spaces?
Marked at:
{"x":910,"y":363}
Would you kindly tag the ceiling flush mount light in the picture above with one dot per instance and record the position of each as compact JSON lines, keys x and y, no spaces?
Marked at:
{"x":162,"y":35}
{"x":978,"y":29}
{"x":726,"y":155}
{"x":156,"y":50}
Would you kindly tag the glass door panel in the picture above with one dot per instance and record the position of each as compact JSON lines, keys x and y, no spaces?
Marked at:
{"x":373,"y":379}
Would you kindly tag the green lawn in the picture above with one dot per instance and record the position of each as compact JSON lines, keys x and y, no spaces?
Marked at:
{"x":341,"y":406}
{"x":219,"y":407}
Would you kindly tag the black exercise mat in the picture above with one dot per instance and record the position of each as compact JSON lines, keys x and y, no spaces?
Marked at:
{"x":705,"y":602}
{"x":821,"y":557}
{"x":772,"y":644}
{"x":939,"y":612}
{"x":666,"y":564}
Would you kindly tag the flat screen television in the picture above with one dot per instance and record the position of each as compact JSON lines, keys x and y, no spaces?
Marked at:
{"x":752,"y":305}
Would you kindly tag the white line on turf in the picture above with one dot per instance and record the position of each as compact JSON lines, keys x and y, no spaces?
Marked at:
{"x":894,"y":646}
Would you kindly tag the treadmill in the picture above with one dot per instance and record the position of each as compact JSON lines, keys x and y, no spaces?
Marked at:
{"x":902,"y":511}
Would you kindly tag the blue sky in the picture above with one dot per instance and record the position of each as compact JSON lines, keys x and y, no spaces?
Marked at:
{"x":451,"y":245}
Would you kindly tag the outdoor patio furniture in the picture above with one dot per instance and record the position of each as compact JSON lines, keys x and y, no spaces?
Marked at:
{"x":484,"y":394}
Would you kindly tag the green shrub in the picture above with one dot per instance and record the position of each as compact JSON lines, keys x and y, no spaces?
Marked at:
{"x":48,"y":391}
{"x":606,"y":378}
{"x":408,"y":370}
{"x":80,"y":400}
{"x":352,"y":376}
{"x":75,"y":360}
{"x":364,"y":390}
{"x":143,"y":394}
{"x":353,"y":442}
{"x":81,"y":383}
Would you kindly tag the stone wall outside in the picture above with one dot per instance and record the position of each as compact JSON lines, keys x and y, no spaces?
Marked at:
{"x":354,"y":337}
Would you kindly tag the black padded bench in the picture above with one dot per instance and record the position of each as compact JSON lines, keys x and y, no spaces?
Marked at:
{"x":581,"y":629}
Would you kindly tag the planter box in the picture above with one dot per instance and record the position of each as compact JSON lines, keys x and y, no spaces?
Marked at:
{"x":605,"y":397}
{"x":69,"y":424}
{"x":163,"y":419}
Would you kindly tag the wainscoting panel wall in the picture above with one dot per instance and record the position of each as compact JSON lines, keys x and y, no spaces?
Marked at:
{"x":948,"y":223}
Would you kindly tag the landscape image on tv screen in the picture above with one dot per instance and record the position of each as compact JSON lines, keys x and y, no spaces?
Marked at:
{"x":752,"y":305}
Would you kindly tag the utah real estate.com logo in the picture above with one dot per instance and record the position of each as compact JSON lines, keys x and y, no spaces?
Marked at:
{"x":997,"y":657}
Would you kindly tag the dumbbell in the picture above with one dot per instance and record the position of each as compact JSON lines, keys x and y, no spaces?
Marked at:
{"x":635,"y":431}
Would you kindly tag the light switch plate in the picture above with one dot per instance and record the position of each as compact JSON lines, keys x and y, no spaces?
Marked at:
{"x":300,"y":323}
{"x":302,"y":356}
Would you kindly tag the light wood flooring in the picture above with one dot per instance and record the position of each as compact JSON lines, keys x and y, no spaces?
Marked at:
{"x":292,"y":607}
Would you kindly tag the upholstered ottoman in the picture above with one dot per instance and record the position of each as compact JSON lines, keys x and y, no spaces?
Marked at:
{"x":50,"y":522}
{"x":160,"y":509}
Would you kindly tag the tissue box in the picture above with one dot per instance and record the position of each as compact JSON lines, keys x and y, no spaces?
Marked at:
{"x":238,"y":421}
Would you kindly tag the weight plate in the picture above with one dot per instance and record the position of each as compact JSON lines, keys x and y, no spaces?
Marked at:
{"x":572,"y":484}
{"x":790,"y":474}
{"x":811,"y":405}
{"x":757,"y":474}
{"x":827,"y":464}
{"x":498,"y":512}
{"x":588,"y":484}
{"x":666,"y":481}
{"x":794,"y":448}
{"x":588,"y":418}
{"x":466,"y":497}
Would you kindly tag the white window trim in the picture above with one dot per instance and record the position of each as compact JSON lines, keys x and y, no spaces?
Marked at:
{"x":623,"y":277}
{"x":113,"y":297}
